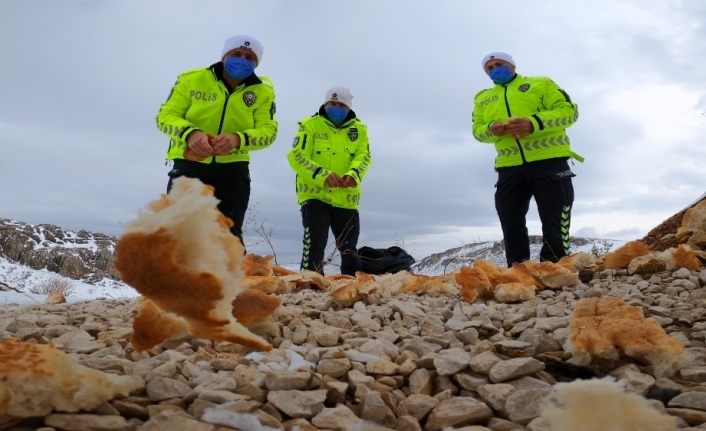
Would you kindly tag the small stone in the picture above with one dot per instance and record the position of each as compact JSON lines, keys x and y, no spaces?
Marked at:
{"x":130,"y":410}
{"x":696,"y":374}
{"x":333,"y":367}
{"x":339,"y":418}
{"x":298,"y":404}
{"x":85,"y":422}
{"x":373,"y":408}
{"x":161,"y":388}
{"x":692,"y":417}
{"x":525,"y":404}
{"x":381,"y":367}
{"x":496,"y":395}
{"x":420,"y":382}
{"x":407,"y":423}
{"x":327,"y":337}
{"x":451,"y":361}
{"x":484,"y":362}
{"x":276,"y":380}
{"x":690,"y":400}
{"x":514,"y":368}
{"x":458,"y":411}
{"x":175,"y":420}
{"x":417,"y":406}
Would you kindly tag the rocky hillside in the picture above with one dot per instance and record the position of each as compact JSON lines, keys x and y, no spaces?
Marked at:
{"x":78,"y":255}
{"x":494,"y":251}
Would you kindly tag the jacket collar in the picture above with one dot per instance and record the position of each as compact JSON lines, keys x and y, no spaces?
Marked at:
{"x":218,"y":69}
{"x":350,"y":117}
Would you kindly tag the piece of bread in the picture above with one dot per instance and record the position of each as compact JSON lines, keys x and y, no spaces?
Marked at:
{"x":620,"y":258}
{"x":394,"y":283}
{"x":181,"y":255}
{"x":153,"y":326}
{"x":36,"y":379}
{"x":418,"y":285}
{"x":257,"y":265}
{"x":578,"y":261}
{"x":601,"y":404}
{"x":443,"y":285}
{"x":606,"y":327}
{"x":267,"y":284}
{"x":253,"y":306}
{"x":280,"y":270}
{"x":346,"y":293}
{"x":474,"y":283}
{"x":307,"y":280}
{"x":514,"y":292}
{"x":551,"y":275}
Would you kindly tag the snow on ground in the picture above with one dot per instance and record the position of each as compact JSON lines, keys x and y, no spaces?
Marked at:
{"x":24,"y":279}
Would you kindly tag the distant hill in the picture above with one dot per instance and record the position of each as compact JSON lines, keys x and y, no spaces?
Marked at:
{"x":78,"y":255}
{"x":494,"y":251}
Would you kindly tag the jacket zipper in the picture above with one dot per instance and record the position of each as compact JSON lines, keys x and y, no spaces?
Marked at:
{"x":220,"y":124}
{"x":509,"y":115}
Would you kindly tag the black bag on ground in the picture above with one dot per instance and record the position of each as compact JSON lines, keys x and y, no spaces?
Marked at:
{"x":384,"y":260}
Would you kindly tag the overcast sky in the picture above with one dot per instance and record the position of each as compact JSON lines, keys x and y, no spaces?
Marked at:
{"x":82,"y":82}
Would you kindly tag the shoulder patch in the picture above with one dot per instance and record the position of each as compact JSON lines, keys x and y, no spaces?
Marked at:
{"x":249,"y":98}
{"x":524,"y":87}
{"x":353,"y":133}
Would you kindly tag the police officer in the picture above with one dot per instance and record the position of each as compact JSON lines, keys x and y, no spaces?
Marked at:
{"x":526,"y":118}
{"x":214,"y":117}
{"x":330,"y":157}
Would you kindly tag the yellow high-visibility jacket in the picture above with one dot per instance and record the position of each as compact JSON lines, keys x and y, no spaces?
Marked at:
{"x":200,"y":100}
{"x":540,"y":100}
{"x":321,"y":148}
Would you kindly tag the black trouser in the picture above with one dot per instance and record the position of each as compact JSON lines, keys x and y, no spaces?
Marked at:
{"x":317,"y":217}
{"x":549,"y":181}
{"x":231,"y":183}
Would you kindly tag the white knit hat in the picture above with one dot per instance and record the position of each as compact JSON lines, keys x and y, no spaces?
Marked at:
{"x":243,"y":41}
{"x":497,"y":56}
{"x":340,"y":94}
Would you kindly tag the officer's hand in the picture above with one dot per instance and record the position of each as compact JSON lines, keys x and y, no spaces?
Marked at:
{"x":519,"y":127}
{"x":225,"y":143}
{"x":198,"y":145}
{"x":348,"y":181}
{"x":333,"y":180}
{"x":497,"y":128}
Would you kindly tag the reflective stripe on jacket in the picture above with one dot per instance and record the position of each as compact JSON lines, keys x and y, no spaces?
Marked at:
{"x":200,"y":100}
{"x":321,"y":148}
{"x":539,"y":99}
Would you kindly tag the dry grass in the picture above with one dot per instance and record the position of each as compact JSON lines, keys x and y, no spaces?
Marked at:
{"x":51,"y":285}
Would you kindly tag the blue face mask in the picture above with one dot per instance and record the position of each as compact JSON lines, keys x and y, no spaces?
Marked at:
{"x":239,"y":68}
{"x":337,"y":114}
{"x":501,"y":74}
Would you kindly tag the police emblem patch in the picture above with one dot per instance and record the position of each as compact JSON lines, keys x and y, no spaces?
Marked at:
{"x":249,"y":98}
{"x":524,"y":87}
{"x":353,"y":133}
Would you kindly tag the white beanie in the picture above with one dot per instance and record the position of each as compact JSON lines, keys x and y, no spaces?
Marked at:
{"x":340,"y":94}
{"x":243,"y":41}
{"x":497,"y":56}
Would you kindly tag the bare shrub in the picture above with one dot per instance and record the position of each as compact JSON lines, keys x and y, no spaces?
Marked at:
{"x":51,"y":285}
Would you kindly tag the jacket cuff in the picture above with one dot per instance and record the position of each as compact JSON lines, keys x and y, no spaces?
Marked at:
{"x":536,"y":125}
{"x":319,"y":176}
{"x":355,"y":173}
{"x":184,"y":135}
